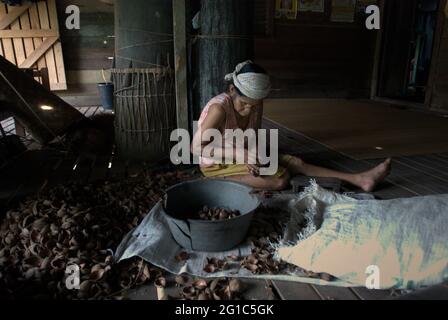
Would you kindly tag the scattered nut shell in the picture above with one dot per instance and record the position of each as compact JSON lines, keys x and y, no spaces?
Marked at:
{"x":235,"y":285}
{"x":210,"y":268}
{"x":182,"y":256}
{"x":160,"y":282}
{"x":181,"y":280}
{"x":200,"y":284}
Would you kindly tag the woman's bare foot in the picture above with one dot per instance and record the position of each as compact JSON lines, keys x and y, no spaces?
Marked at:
{"x":369,"y":180}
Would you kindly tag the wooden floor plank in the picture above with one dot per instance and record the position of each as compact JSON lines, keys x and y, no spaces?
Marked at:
{"x":439,"y":158}
{"x":417,"y":181}
{"x":358,"y":128}
{"x":295,"y":291}
{"x":8,"y":125}
{"x":367,"y":294}
{"x":336,"y":293}
{"x":83,"y":110}
{"x":427,"y":165}
{"x":257,"y":290}
{"x":387,"y":191}
{"x":443,"y":155}
{"x":439,"y":292}
{"x":252,"y":290}
{"x":91,"y":111}
{"x":98,"y":110}
{"x":335,"y":160}
{"x":294,"y":142}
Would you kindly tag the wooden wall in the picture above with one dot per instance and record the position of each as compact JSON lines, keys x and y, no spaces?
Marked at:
{"x":87,"y":51}
{"x":313,"y":57}
{"x":439,"y":97}
{"x":307,"y":57}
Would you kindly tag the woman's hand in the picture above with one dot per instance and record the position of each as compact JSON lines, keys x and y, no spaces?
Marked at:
{"x":254,"y":169}
{"x":249,"y":159}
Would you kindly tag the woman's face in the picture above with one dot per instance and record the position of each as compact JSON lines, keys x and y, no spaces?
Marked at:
{"x":244,"y":106}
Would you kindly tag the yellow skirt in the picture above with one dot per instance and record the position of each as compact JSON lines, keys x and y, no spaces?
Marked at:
{"x":229,"y":170}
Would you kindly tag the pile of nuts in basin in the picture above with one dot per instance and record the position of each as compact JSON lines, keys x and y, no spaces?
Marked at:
{"x":216,"y":214}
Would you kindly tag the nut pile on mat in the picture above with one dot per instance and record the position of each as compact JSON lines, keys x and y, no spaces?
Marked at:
{"x":78,"y":225}
{"x":264,"y":233}
{"x":214,"y":214}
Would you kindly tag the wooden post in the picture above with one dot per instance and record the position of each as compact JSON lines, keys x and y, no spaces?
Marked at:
{"x":225,"y":40}
{"x":377,"y":57}
{"x":180,"y":63}
{"x":144,"y":40}
{"x":144,"y":33}
{"x":438,"y":38}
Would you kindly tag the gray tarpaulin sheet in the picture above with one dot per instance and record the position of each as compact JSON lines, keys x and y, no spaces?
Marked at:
{"x":152,"y":241}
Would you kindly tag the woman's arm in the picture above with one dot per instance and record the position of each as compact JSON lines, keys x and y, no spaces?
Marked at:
{"x":259,"y":122}
{"x":254,"y":169}
{"x":214,"y":120}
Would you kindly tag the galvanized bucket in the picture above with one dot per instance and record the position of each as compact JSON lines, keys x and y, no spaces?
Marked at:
{"x":184,"y":199}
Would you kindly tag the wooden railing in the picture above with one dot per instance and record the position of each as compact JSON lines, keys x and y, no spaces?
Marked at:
{"x":8,"y":123}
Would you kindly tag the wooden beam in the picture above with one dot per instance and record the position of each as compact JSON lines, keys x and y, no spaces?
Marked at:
{"x":44,"y":18}
{"x":13,"y":15}
{"x":38,"y":53}
{"x":35,"y":24}
{"x":60,"y":67}
{"x":270,"y":18}
{"x":433,"y":72}
{"x":180,"y":62}
{"x":8,"y":47}
{"x":377,"y":57}
{"x":28,"y":33}
{"x":18,"y":43}
{"x":26,"y":26}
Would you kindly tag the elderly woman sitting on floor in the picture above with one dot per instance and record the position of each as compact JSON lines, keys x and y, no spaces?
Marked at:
{"x":241,"y":107}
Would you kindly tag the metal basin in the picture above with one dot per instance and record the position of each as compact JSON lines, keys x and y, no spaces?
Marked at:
{"x":184,"y":199}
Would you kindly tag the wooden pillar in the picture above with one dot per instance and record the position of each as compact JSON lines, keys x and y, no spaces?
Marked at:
{"x":145,"y":110}
{"x":144,"y":33}
{"x":225,"y":40}
{"x":180,"y":63}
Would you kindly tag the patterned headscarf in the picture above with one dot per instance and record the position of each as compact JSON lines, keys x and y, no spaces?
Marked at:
{"x":253,"y":85}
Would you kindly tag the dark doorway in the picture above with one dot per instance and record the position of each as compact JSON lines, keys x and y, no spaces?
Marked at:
{"x":408,"y":40}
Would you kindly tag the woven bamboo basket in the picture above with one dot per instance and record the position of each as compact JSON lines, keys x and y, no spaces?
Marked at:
{"x":145,"y":112}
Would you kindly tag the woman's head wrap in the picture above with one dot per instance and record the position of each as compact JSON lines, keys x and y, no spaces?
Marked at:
{"x":253,"y":85}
